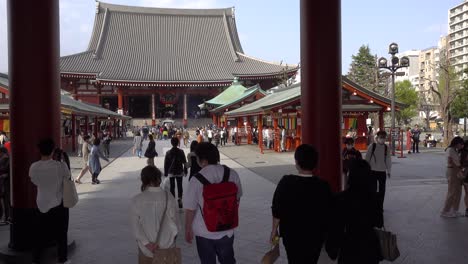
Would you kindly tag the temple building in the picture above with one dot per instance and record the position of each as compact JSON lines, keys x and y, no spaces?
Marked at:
{"x":152,"y":63}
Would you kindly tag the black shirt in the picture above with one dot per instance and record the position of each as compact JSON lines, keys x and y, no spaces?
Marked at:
{"x":303,"y":205}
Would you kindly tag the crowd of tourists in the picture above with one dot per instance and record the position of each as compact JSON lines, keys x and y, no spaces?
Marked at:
{"x":344,"y":223}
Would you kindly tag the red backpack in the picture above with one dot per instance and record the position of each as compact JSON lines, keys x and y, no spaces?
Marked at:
{"x":220,"y":206}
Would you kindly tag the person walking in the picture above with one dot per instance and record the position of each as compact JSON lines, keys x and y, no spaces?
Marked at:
{"x":186,"y":137}
{"x":283,"y":139}
{"x":150,"y":152}
{"x":52,"y":217}
{"x":106,"y":139}
{"x":192,"y":160}
{"x":379,"y":157}
{"x":303,"y":231}
{"x":137,"y":144}
{"x":210,"y":133}
{"x":80,"y":143}
{"x":94,"y":161}
{"x":357,"y":213}
{"x":210,"y":244}
{"x":85,"y":149}
{"x":222,"y":135}
{"x":452,"y":201}
{"x":349,"y":154}
{"x":175,"y":167}
{"x":154,"y":220}
{"x":370,"y":135}
{"x":415,"y":134}
{"x":5,"y":207}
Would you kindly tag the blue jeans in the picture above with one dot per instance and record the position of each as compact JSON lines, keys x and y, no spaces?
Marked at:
{"x":208,"y":249}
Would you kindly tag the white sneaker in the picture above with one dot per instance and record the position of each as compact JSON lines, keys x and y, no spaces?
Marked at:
{"x":448,"y":214}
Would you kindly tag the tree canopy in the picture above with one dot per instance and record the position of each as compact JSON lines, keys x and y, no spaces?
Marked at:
{"x":405,"y":93}
{"x":364,"y":70}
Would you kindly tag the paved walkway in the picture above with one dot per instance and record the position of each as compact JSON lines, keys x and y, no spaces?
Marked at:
{"x":415,"y":194}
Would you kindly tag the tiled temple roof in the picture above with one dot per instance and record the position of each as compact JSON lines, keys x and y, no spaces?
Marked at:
{"x":140,"y":44}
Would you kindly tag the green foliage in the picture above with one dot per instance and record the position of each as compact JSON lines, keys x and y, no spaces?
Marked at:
{"x":459,"y":106}
{"x":405,"y":93}
{"x":364,"y":71}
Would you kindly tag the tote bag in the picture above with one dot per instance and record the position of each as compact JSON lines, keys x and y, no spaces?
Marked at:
{"x":70,"y":195}
{"x":171,"y":255}
{"x":388,"y":244}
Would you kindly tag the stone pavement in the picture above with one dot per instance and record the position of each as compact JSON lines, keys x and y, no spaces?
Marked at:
{"x":415,"y":194}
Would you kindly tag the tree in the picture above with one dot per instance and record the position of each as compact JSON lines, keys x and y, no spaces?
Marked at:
{"x":459,"y":108}
{"x":405,"y":93}
{"x":364,"y":70}
{"x":445,"y":88}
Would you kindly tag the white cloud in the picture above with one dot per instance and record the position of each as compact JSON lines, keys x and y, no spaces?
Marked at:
{"x":85,"y":28}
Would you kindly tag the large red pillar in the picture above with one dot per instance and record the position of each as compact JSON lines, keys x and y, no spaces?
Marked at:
{"x":321,"y":83}
{"x":120,"y":100}
{"x":34,"y":101}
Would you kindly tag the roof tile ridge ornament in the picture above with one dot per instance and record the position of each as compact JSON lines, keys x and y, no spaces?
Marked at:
{"x":229,"y":38}
{"x":97,"y":6}
{"x":100,"y":44}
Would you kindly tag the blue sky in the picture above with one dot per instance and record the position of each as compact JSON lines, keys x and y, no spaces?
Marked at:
{"x":269,"y":29}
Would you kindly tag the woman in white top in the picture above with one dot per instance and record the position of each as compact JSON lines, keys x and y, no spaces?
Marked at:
{"x":52,"y":219}
{"x":147,"y":212}
{"x":452,"y":202}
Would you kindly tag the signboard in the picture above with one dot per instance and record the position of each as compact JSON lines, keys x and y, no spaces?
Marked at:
{"x":120,"y":111}
{"x":396,"y":133}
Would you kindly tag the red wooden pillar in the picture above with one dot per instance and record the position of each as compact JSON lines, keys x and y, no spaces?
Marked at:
{"x":321,"y":67}
{"x":260,"y":132}
{"x":214,"y":119}
{"x":32,"y":64}
{"x":120,"y":99}
{"x":73,"y":134}
{"x":381,"y":121}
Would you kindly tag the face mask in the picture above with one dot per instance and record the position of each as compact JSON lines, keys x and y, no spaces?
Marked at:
{"x":349,"y":147}
{"x":381,"y":140}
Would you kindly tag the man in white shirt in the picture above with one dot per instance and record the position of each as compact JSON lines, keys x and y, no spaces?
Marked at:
{"x":210,"y":135}
{"x":209,"y":244}
{"x":52,"y":218}
{"x":379,"y":157}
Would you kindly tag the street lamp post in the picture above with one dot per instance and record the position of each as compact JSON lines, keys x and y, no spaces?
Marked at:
{"x":396,"y":63}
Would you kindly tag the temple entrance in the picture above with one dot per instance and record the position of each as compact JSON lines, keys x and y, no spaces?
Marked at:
{"x":139,"y":106}
{"x":109,"y":102}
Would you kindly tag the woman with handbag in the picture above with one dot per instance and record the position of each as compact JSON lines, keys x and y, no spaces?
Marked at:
{"x":192,"y":160}
{"x":452,"y":202}
{"x":154,"y":219}
{"x":150,"y":152}
{"x":352,"y":237}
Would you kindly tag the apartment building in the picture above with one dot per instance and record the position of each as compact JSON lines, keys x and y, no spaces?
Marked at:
{"x":410,"y":73}
{"x":428,"y":72}
{"x":458,"y":36}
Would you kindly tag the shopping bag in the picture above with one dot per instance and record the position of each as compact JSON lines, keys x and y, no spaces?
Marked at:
{"x":167,"y":256}
{"x":271,"y":256}
{"x":388,"y":244}
{"x":70,"y":195}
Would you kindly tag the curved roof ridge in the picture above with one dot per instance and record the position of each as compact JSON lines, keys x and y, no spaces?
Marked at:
{"x":166,"y":11}
{"x":76,"y":54}
{"x":293,"y":66}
